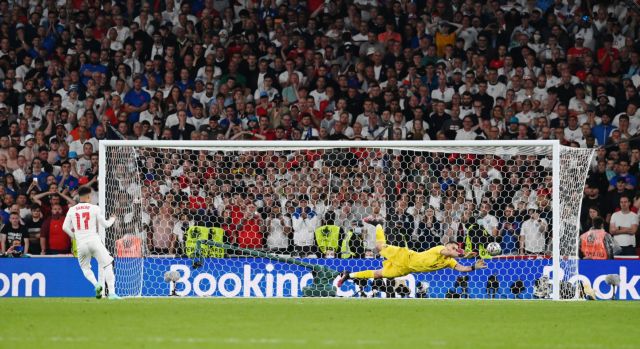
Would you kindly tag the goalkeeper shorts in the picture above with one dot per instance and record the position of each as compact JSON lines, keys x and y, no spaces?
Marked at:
{"x":396,"y":261}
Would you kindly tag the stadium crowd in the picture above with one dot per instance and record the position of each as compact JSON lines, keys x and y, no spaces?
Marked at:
{"x":77,"y":72}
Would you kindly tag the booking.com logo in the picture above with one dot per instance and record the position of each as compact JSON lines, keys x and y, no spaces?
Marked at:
{"x":28,"y":281}
{"x":626,"y":290}
{"x":249,"y":284}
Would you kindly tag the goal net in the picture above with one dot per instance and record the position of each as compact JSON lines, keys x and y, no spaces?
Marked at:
{"x":279,"y":219}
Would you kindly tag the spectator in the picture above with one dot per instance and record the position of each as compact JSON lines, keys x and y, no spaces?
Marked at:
{"x":305,"y":221}
{"x":37,"y":174}
{"x":278,"y":232}
{"x":622,"y":174}
{"x":161,"y":238}
{"x":52,"y":238}
{"x":509,"y":231}
{"x":486,"y":220}
{"x":67,"y":178}
{"x":136,"y":100}
{"x":34,"y":225}
{"x":532,"y":233}
{"x":183,"y":130}
{"x":591,"y":200}
{"x":250,"y":231}
{"x":428,"y":233}
{"x":14,"y":233}
{"x":616,"y":194}
{"x":623,"y":226}
{"x":603,"y":130}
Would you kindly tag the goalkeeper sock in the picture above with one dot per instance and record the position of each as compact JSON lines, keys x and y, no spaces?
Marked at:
{"x":366,"y":274}
{"x":380,"y":234}
{"x":110,"y":279}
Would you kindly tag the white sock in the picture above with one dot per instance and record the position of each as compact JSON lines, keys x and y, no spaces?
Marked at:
{"x":88,"y":273}
{"x":110,"y":278}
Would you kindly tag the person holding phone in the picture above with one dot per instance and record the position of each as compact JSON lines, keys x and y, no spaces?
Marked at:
{"x":14,"y":237}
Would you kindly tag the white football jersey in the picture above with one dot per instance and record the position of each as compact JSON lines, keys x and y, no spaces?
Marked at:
{"x":83,"y":220}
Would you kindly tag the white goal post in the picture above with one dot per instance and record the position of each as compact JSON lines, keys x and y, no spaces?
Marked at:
{"x":133,"y":186}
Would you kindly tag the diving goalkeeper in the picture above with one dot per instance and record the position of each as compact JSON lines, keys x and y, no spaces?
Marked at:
{"x":401,"y":261}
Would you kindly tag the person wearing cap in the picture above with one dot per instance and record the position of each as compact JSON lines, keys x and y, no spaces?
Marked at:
{"x":347,"y":56}
{"x":72,"y":103}
{"x":577,"y":53}
{"x":28,"y":151}
{"x":532,"y":233}
{"x":512,"y":128}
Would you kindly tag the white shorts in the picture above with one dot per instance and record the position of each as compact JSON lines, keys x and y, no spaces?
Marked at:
{"x":94,"y":249}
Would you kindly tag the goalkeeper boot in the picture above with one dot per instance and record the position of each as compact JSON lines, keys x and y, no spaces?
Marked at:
{"x":98,"y":289}
{"x":114,"y":297}
{"x":343,"y":277}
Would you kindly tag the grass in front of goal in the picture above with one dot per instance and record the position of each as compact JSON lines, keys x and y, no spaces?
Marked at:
{"x":316,"y":323}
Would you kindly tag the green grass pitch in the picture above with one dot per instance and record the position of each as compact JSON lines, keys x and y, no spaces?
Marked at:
{"x":316,"y":323}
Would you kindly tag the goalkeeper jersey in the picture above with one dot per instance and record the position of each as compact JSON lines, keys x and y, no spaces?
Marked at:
{"x":430,"y":260}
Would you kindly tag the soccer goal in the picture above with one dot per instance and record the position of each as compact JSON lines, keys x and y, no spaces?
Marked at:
{"x":281,"y":219}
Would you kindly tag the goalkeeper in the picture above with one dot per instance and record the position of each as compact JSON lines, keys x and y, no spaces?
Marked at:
{"x":401,"y":261}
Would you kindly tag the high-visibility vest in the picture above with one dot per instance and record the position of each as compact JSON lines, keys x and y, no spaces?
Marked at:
{"x":345,"y":248}
{"x":328,"y":238}
{"x":592,"y":244}
{"x":129,"y":246}
{"x":195,"y":233}
{"x":468,"y":245}
{"x":74,"y":247}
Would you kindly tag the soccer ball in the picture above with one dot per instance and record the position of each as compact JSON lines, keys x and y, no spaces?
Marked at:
{"x":494,"y":249}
